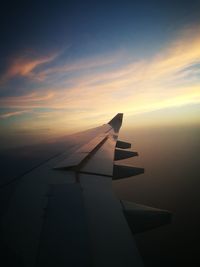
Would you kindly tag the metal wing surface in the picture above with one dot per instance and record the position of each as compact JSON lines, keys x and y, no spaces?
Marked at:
{"x":63,"y":212}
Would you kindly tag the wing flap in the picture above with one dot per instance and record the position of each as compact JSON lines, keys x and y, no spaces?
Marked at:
{"x":110,"y":235}
{"x":60,"y":245}
{"x":79,"y":222}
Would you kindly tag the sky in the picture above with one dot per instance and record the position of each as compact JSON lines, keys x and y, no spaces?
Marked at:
{"x":66,"y":66}
{"x":69,"y":65}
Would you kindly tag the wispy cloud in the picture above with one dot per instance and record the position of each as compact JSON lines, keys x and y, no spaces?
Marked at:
{"x":14,"y":113}
{"x":164,"y":80}
{"x":24,"y":66}
{"x":33,"y":100}
{"x":80,"y":65}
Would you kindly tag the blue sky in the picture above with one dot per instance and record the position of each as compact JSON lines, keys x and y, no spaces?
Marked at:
{"x":76,"y":63}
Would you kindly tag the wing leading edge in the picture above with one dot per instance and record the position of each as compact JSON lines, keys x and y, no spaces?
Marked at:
{"x":64,"y":213}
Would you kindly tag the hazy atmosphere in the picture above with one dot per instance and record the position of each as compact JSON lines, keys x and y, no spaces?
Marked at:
{"x":66,"y":66}
{"x":69,"y":65}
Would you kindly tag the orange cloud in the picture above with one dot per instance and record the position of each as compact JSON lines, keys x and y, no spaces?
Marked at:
{"x":23,"y":66}
{"x":138,"y":87}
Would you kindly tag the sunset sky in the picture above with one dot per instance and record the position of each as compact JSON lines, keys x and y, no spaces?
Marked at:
{"x":69,"y":65}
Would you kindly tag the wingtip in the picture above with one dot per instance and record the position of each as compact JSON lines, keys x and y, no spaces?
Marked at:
{"x":117,"y":116}
{"x":116,"y":120}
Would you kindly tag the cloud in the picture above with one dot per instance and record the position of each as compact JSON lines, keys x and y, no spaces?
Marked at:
{"x":14,"y":113}
{"x":85,"y":64}
{"x":24,"y":66}
{"x":164,"y":80}
{"x":32,"y":100}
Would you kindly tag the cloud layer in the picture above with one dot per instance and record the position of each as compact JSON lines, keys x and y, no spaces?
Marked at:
{"x":107,"y":85}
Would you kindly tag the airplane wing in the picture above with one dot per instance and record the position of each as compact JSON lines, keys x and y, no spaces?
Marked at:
{"x":64,"y":212}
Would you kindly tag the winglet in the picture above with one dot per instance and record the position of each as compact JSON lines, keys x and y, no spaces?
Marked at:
{"x":116,"y":122}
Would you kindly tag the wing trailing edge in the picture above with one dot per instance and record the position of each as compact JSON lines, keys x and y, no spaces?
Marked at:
{"x":62,"y":214}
